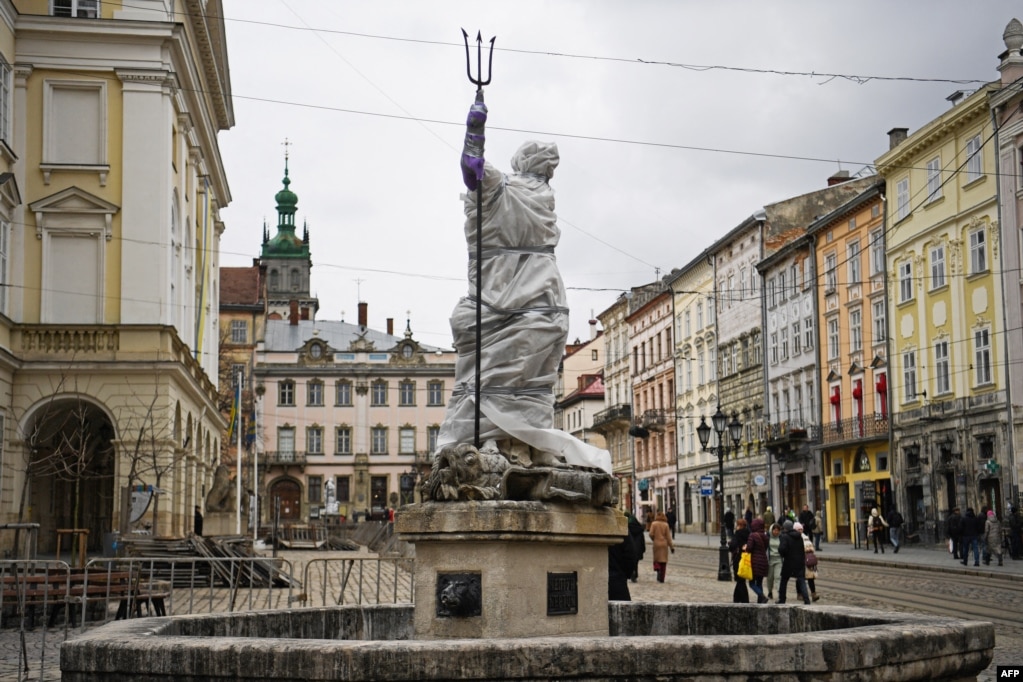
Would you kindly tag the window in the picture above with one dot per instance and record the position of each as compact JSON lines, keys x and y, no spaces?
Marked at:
{"x":239,"y":331}
{"x":286,"y":393}
{"x":854,"y":263}
{"x":855,"y":330}
{"x":687,"y":326}
{"x":772,"y":293}
{"x":909,"y":375}
{"x":406,"y":441}
{"x":343,"y":393}
{"x":794,"y":276}
{"x":796,"y":337}
{"x":742,"y":282}
{"x":712,"y":373}
{"x":699,"y":315}
{"x":343,"y":438}
{"x":82,"y":9}
{"x":978,"y":251}
{"x":378,"y":440}
{"x":5,"y":235}
{"x":432,"y":434}
{"x":774,"y":348}
{"x":785,"y":343}
{"x":593,"y":355}
{"x":877,"y":252}
{"x":407,"y":393}
{"x":237,"y":375}
{"x":938,"y":266}
{"x":314,"y":440}
{"x":902,"y":199}
{"x":782,"y":287}
{"x":435,"y":393}
{"x":286,"y":444}
{"x":905,"y":281}
{"x":5,"y":100}
{"x":808,"y":334}
{"x":344,"y":488}
{"x":754,"y":278}
{"x":832,"y":339}
{"x":378,"y":395}
{"x":934,"y":179}
{"x":830,"y":273}
{"x":315,"y":486}
{"x":731,"y":290}
{"x":314,"y":393}
{"x":941,"y":368}
{"x":974,"y":159}
{"x":880,"y":323}
{"x":75,"y":130}
{"x":689,"y":373}
{"x":982,"y":355}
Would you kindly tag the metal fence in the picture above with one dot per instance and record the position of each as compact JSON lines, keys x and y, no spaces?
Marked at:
{"x":369,"y":580}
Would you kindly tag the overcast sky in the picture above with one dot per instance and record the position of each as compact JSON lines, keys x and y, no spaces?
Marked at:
{"x":675,"y":121}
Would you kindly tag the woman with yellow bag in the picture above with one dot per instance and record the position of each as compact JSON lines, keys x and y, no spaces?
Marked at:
{"x":738,"y":546}
{"x":756,"y":547}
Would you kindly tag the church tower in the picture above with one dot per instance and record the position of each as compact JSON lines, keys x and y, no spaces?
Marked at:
{"x":287,"y":262}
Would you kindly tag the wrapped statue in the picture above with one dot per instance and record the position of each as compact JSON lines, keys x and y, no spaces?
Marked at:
{"x":524,"y":314}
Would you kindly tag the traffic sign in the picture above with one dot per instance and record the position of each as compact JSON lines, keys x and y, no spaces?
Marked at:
{"x":706,"y":485}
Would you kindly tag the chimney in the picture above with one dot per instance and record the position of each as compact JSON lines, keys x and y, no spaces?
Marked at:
{"x":593,"y":328}
{"x":897,"y":136}
{"x":293,"y":313}
{"x":363,"y":314}
{"x":390,"y":326}
{"x":838,"y":178}
{"x":305,"y":313}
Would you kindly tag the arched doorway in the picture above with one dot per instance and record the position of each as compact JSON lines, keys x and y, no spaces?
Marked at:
{"x":289,"y":492}
{"x":70,"y":460}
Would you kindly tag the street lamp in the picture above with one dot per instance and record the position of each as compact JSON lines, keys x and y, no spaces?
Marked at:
{"x":734,"y":428}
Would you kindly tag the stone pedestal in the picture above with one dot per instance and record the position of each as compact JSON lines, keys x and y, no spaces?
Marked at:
{"x":539,"y":568}
{"x":222,"y":523}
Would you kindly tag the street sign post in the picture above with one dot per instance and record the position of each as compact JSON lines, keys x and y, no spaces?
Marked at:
{"x":706,"y":485}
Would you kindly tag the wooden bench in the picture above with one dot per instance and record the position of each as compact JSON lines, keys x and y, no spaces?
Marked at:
{"x":61,"y":590}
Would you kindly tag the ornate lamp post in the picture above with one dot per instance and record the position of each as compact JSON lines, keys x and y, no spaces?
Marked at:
{"x":721,"y":423}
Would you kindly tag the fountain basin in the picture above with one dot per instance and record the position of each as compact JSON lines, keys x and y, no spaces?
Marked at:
{"x":649,"y":641}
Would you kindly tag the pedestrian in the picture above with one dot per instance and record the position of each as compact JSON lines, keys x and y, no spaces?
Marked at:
{"x":768,"y":517}
{"x":895,"y":522}
{"x":773,"y":559}
{"x":660,"y":536}
{"x":197,"y":522}
{"x":972,"y":529}
{"x":810,"y":560}
{"x":806,"y":518}
{"x":672,"y":518}
{"x":757,"y":545}
{"x":729,"y":519}
{"x":992,"y":538}
{"x":793,"y":561}
{"x":740,"y":595}
{"x":818,"y":530}
{"x":749,"y":517}
{"x":621,"y":563}
{"x":954,"y":531}
{"x":648,"y":518}
{"x":1015,"y":533}
{"x":637,"y":534}
{"x":876,"y":525}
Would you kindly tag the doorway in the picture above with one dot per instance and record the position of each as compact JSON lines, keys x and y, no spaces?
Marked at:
{"x":289,"y":493}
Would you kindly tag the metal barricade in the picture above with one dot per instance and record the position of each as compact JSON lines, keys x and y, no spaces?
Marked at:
{"x":186,"y":585}
{"x":358,"y":580}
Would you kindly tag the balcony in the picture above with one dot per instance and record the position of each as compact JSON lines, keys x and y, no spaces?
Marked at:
{"x":655,"y":420}
{"x":618,"y":416}
{"x":789,"y":439}
{"x":284,"y":458}
{"x":855,"y":428}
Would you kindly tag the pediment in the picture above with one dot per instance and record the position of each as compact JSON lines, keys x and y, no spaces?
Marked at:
{"x":9,"y":193}
{"x":73,"y":200}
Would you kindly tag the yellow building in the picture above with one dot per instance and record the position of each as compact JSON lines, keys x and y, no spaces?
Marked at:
{"x":948,"y":380}
{"x":851,"y":341}
{"x":110,"y":190}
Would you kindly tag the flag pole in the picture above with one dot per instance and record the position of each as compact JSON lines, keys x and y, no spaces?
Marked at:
{"x":238,"y":454}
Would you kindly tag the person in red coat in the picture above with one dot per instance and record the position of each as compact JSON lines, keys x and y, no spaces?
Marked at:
{"x":756,"y":545}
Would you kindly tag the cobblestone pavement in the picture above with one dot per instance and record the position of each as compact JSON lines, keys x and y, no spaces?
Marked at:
{"x":691,"y":576}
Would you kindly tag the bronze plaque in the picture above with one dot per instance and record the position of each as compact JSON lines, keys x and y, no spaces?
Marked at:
{"x":562,"y":594}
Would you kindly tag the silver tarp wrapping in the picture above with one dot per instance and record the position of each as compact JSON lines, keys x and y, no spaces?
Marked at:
{"x":525,"y":318}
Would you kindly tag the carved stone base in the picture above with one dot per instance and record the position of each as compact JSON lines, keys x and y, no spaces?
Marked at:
{"x":222,"y":523}
{"x":538,"y":568}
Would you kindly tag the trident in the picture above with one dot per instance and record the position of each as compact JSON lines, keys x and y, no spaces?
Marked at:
{"x":479,"y":83}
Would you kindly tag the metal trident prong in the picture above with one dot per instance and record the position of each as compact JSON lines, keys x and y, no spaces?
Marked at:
{"x":478,"y":80}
